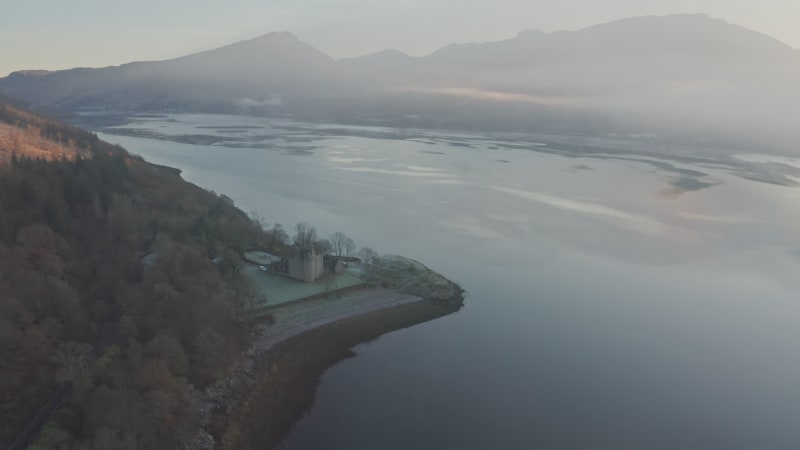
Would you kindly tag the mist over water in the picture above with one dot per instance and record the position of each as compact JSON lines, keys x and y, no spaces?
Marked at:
{"x":620,"y":296}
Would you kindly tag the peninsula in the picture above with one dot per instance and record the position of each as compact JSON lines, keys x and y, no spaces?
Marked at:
{"x":296,"y":340}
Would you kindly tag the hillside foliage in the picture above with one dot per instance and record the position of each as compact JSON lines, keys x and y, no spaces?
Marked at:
{"x":27,"y":135}
{"x":119,"y":279}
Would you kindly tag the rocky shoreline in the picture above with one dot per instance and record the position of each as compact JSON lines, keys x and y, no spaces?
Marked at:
{"x":409,"y":276}
{"x":282,"y":384}
{"x":316,"y":334}
{"x":217,"y":400}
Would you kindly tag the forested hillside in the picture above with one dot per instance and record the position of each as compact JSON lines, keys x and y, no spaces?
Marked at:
{"x":118,"y":283}
{"x":26,"y":134}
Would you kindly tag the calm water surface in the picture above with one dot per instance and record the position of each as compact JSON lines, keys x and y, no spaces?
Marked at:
{"x":622,"y":295}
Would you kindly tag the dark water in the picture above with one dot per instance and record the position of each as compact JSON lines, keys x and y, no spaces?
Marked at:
{"x":621,"y":295}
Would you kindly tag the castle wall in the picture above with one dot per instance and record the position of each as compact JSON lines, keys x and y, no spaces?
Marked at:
{"x":307,"y":267}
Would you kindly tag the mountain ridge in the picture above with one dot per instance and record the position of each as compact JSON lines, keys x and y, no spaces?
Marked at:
{"x":527,"y":34}
{"x":649,"y":72}
{"x":652,"y":33}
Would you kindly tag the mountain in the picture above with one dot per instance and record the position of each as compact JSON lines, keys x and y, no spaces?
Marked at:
{"x":380,"y":69}
{"x":260,"y":69}
{"x":679,"y":76}
{"x":625,"y":55}
{"x":617,"y":55}
{"x":683,"y":76}
{"x":641,"y":37}
{"x":392,"y":58}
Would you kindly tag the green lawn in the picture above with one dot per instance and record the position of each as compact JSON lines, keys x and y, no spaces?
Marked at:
{"x":280,"y":289}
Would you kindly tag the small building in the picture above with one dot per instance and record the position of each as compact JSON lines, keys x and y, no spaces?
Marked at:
{"x":305,"y":265}
{"x":333,"y":265}
{"x":308,"y":265}
{"x":338,"y":264}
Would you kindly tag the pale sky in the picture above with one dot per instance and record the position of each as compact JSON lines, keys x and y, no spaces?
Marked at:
{"x":58,"y":34}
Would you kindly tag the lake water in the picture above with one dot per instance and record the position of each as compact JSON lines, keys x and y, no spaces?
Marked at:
{"x":621,"y":294}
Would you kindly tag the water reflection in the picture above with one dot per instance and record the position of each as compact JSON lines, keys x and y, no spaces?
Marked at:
{"x":602,"y":313}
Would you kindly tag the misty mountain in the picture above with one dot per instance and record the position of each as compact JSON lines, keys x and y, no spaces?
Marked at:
{"x":627,"y":55}
{"x":681,"y":74}
{"x":259,"y":70}
{"x":686,"y":76}
{"x":383,"y":59}
{"x":641,"y":37}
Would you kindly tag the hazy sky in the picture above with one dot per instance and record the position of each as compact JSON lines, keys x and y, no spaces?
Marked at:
{"x":55,"y":34}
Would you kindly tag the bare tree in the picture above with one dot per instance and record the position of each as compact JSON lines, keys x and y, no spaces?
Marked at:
{"x":367,"y":254}
{"x":324,"y":246}
{"x":279,"y":234}
{"x":247,"y":295}
{"x":342,"y":245}
{"x":305,"y":235}
{"x":349,"y":247}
